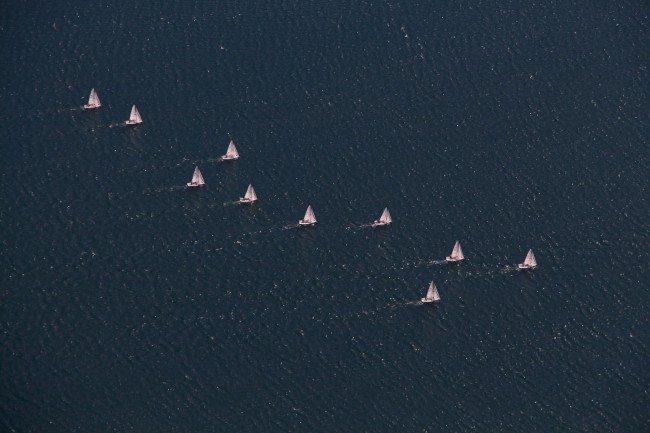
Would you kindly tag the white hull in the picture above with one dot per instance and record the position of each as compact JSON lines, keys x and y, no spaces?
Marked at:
{"x":246,"y":200}
{"x":90,"y":106}
{"x":452,"y":260}
{"x":522,"y":266}
{"x":379,"y":224}
{"x":193,"y":185}
{"x":305,"y":223}
{"x":229,"y":158}
{"x":133,"y":122}
{"x":427,"y":301}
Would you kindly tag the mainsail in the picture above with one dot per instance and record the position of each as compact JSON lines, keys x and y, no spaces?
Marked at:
{"x":197,"y":178}
{"x":232,"y":153}
{"x":250,"y":194}
{"x":432,"y":294}
{"x":385,"y":217}
{"x":135,"y":117}
{"x":93,"y":100}
{"x":530,"y":260}
{"x":457,"y":252}
{"x":310,"y":217}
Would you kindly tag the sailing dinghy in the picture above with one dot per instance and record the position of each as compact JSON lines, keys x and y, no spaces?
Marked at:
{"x":197,"y":178}
{"x":93,"y":101}
{"x":250,"y":195}
{"x":529,"y":262}
{"x":231,"y":153}
{"x":383,"y":220}
{"x":309,"y":219}
{"x":456,"y":254}
{"x":134,"y":118}
{"x":432,"y":294}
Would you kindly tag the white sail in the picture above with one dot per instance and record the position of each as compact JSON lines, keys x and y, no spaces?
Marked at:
{"x":310,"y":217}
{"x":231,"y":153}
{"x":530,"y":260}
{"x":457,"y":252}
{"x":134,"y":118}
{"x":197,"y":178}
{"x":250,"y":195}
{"x":432,"y":293}
{"x":93,"y":100}
{"x":385,"y":217}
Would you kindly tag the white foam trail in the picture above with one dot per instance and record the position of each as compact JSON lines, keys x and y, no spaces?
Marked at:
{"x":358,"y":227}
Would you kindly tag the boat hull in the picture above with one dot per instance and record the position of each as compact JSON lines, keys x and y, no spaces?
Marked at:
{"x":131,"y":122}
{"x":91,"y":106}
{"x":379,"y":224}
{"x":229,"y":158}
{"x":246,"y":200}
{"x":193,"y":185}
{"x":305,"y":223}
{"x":450,"y":259}
{"x":521,"y":266}
{"x":427,"y":301}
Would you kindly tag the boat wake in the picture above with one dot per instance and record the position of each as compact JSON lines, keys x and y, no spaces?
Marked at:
{"x":358,"y":227}
{"x":418,"y":302}
{"x":438,"y":262}
{"x":382,"y":308}
{"x":290,"y":226}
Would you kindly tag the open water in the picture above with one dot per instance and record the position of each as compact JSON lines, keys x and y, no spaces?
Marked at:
{"x":129,"y":303}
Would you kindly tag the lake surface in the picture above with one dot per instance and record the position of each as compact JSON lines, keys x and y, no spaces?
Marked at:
{"x":129,"y":303}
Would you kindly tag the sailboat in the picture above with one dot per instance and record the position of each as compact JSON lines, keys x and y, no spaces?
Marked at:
{"x":432,"y":294}
{"x":309,"y":219}
{"x":250,"y":195}
{"x":456,"y":254}
{"x":93,"y":101}
{"x":383,"y":220}
{"x":197,"y":178}
{"x":231,"y":153}
{"x":529,"y":262}
{"x":135,"y":118}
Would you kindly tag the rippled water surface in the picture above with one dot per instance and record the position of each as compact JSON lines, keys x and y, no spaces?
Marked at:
{"x":129,"y":303}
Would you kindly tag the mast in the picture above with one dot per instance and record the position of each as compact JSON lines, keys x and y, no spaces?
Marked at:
{"x":385,"y":217}
{"x":250,"y":194}
{"x":432,"y":294}
{"x":310,"y":217}
{"x":94,"y":99}
{"x":232,"y":150}
{"x":135,"y":115}
{"x":530,"y":259}
{"x":197,"y":178}
{"x":457,"y":253}
{"x":436,"y":296}
{"x":431,"y":290}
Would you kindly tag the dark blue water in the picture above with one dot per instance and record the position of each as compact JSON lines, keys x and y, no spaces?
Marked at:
{"x":129,"y":303}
